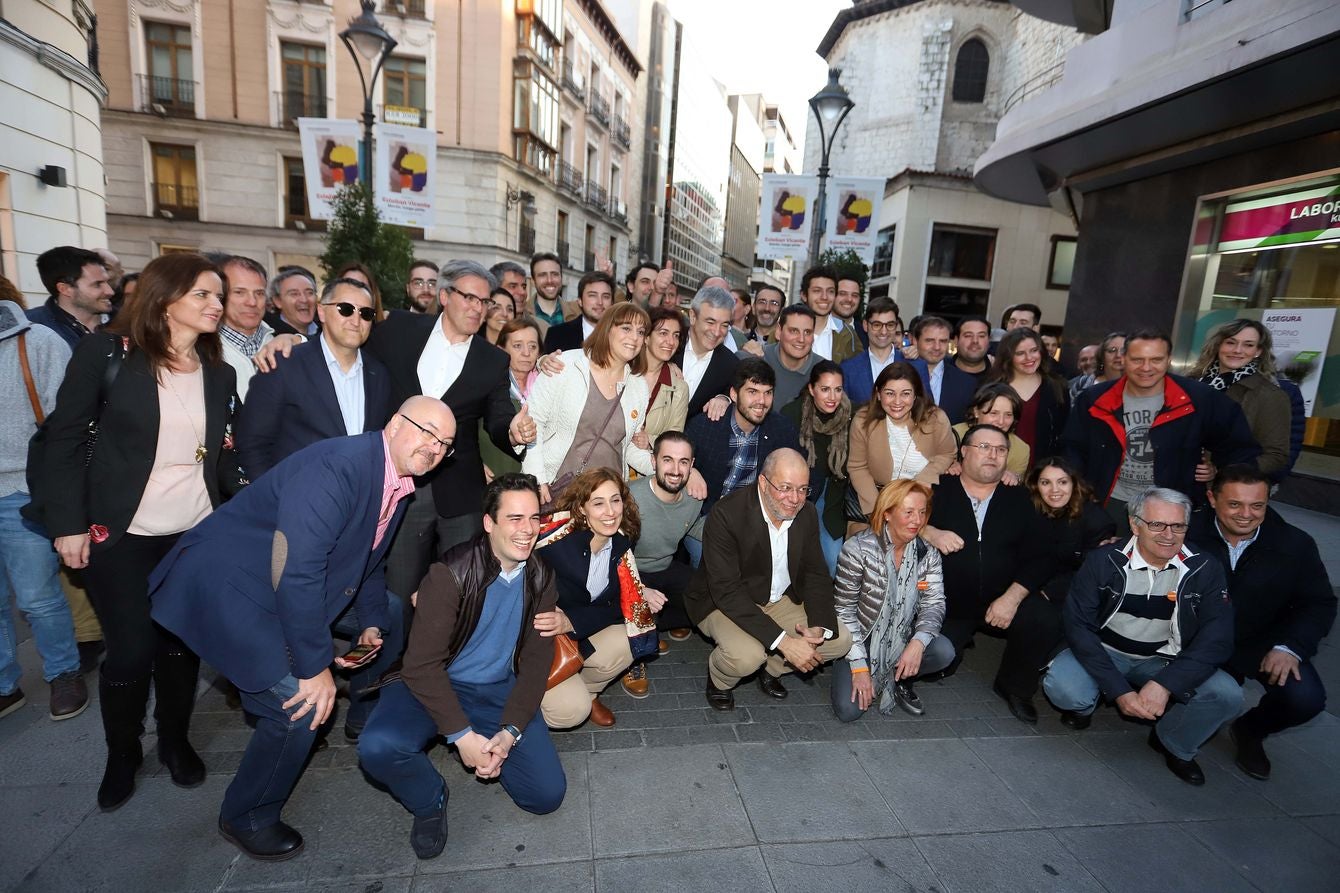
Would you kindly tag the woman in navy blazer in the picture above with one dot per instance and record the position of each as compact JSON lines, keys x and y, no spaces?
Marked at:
{"x":163,"y":460}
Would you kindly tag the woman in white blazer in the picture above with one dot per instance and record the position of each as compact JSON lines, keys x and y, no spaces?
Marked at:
{"x":580,"y":426}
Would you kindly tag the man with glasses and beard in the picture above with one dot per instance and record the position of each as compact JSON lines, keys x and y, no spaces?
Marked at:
{"x":421,"y":287}
{"x":767,"y":306}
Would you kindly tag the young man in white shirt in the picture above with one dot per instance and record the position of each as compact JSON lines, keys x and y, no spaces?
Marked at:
{"x":833,"y":340}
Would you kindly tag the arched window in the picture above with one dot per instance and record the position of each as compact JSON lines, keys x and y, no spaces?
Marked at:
{"x":970,"y":69}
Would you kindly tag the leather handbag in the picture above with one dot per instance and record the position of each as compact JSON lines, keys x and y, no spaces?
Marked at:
{"x":567,"y":660}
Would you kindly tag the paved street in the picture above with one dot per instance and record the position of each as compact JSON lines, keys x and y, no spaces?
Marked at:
{"x":675,"y":797}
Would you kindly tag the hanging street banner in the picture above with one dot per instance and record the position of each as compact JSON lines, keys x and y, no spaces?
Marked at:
{"x":1291,"y":219}
{"x":404,"y":161}
{"x":1301,"y":339}
{"x":329,"y":160}
{"x":853,"y":210}
{"x":787,"y":215}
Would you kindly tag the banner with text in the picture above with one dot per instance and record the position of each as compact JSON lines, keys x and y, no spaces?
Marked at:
{"x":788,"y":214}
{"x":1295,"y":218}
{"x":853,"y":212}
{"x":404,"y":161}
{"x":1301,"y":339}
{"x":329,"y":160}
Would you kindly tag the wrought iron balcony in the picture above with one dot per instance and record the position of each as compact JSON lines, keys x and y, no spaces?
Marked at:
{"x":292,"y":105}
{"x":600,"y":110}
{"x":621,"y":132}
{"x":590,"y":261}
{"x":414,"y":9}
{"x":572,"y":82}
{"x":561,"y":249}
{"x":526,"y":242}
{"x":176,"y":202}
{"x":569,"y":178}
{"x":167,"y":96}
{"x":619,"y":211}
{"x":597,"y":196}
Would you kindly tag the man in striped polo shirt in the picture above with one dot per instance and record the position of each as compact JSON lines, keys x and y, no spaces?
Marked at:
{"x":1148,"y":623}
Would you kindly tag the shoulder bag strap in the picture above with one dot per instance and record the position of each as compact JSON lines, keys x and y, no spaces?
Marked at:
{"x":614,"y":407}
{"x":28,"y":380}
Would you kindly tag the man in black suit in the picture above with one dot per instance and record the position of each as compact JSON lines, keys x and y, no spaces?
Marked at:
{"x":293,"y":293}
{"x":327,"y":388}
{"x":442,"y":356}
{"x":708,"y":365}
{"x":595,"y":294}
{"x":763,"y":593}
{"x":949,"y":386}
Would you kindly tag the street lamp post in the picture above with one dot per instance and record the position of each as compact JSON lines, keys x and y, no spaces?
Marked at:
{"x":830,"y":106}
{"x":368,"y":41}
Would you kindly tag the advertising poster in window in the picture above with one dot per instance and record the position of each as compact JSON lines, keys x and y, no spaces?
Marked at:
{"x":403,"y":164}
{"x":1301,"y":338}
{"x":329,"y":160}
{"x":787,"y":215}
{"x":853,"y":215}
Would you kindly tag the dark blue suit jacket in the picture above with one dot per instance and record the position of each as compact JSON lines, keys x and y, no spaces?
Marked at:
{"x":857,"y":382}
{"x":956,"y":388}
{"x":295,"y":406}
{"x":713,"y":453}
{"x":254,"y":588}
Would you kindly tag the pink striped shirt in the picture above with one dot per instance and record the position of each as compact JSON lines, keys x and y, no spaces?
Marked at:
{"x":394,"y":488}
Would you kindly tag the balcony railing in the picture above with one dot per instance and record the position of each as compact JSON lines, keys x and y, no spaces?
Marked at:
{"x":292,"y":105}
{"x":600,"y":110}
{"x":619,"y":211}
{"x":572,"y":81}
{"x":1033,"y":85}
{"x":167,"y":96}
{"x":622,"y":133}
{"x":590,"y":261}
{"x":181,"y":202}
{"x":526,"y":242}
{"x":596,"y":196}
{"x":561,"y":249}
{"x":569,"y":178}
{"x":408,"y":8}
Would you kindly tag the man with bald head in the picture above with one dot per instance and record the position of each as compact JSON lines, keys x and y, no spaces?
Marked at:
{"x":256,"y":588}
{"x":763,"y":592}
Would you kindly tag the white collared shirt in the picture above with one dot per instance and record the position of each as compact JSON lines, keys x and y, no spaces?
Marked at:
{"x":509,"y":576}
{"x":598,"y":571}
{"x":779,"y":539}
{"x":823,"y":338}
{"x":937,"y":378}
{"x":348,"y":388}
{"x":695,"y":367}
{"x":441,"y":363}
{"x":587,"y":328}
{"x":877,"y":365}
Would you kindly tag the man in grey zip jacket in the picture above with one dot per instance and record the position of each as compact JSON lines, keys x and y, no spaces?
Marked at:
{"x":1148,"y":624}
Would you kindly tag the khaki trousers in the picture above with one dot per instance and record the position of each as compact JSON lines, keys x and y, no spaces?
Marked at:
{"x":86,"y":626}
{"x":739,"y":654}
{"x":568,"y":704}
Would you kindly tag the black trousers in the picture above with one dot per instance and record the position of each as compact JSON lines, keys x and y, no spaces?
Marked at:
{"x":672,"y":581}
{"x":1288,"y":705}
{"x":1032,"y":636}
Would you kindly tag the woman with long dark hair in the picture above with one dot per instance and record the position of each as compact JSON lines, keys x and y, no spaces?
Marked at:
{"x":162,"y":460}
{"x":1022,"y":364}
{"x":999,"y":406}
{"x":822,"y":415}
{"x":1238,"y":360}
{"x":1075,"y":523}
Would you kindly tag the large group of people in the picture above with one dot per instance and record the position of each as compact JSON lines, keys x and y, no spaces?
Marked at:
{"x":506,"y":502}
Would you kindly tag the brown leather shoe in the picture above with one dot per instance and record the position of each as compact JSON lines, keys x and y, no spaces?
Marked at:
{"x":662,"y":647}
{"x":635,"y":681}
{"x":601,"y":715}
{"x":681,"y":634}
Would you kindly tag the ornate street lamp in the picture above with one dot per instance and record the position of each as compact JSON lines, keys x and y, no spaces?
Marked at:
{"x":830,"y":106}
{"x":368,"y":41}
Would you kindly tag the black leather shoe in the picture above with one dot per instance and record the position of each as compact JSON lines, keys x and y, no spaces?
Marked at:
{"x":273,"y":843}
{"x":771,"y":685}
{"x":351,"y":734}
{"x":428,"y":837}
{"x":1251,"y":757}
{"x":182,"y":762}
{"x":118,"y":779}
{"x":1187,"y":770}
{"x":1077,"y":721}
{"x":1022,"y":708}
{"x":722,"y":699}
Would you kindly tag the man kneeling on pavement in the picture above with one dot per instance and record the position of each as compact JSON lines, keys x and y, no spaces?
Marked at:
{"x":763,"y":593}
{"x":1148,"y":624}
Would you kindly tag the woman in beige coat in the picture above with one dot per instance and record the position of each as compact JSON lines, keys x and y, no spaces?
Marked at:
{"x":1238,"y":360}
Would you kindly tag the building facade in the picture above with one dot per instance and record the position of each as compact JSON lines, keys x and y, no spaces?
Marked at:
{"x":921,"y":118}
{"x":51,"y":160}
{"x":743,"y":189}
{"x":533,"y":101}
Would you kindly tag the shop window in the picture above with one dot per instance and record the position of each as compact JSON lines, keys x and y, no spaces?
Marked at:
{"x":970,"y":70}
{"x":1062,"y":262}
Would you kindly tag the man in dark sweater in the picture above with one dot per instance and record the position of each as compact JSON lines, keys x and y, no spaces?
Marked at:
{"x":995,"y":561}
{"x":474,"y":673}
{"x":1283,"y":602}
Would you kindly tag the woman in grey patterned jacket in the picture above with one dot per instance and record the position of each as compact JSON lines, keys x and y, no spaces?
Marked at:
{"x":889,"y":592}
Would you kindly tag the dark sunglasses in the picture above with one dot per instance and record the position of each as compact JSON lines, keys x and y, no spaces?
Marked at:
{"x":367,"y":314}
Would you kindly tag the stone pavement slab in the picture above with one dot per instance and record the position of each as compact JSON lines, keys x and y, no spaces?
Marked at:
{"x":1007,"y":861}
{"x":1168,"y":858}
{"x":891,"y":865}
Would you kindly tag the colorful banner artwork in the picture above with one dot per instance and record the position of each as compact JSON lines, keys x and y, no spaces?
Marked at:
{"x":329,"y":160}
{"x":1301,"y":339}
{"x":404,"y":161}
{"x":787,"y":215}
{"x":853,"y":215}
{"x":1307,"y":216}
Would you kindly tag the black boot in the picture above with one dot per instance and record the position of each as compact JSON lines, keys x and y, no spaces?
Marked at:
{"x":176,"y":672}
{"x":123,"y":706}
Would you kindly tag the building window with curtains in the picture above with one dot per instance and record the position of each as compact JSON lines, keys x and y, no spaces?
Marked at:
{"x":304,"y":93}
{"x":170,"y":82}
{"x":970,"y":70}
{"x":405,"y":85}
{"x":535,"y":125}
{"x":175,"y":188}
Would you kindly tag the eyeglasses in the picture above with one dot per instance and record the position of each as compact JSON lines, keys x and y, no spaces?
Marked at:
{"x":423,"y":283}
{"x":766,"y":302}
{"x":472,"y":299}
{"x":367,"y":314}
{"x":1160,"y":526}
{"x":429,"y":436}
{"x":882,"y":326}
{"x":787,"y":489}
{"x":988,"y":449}
{"x":1111,"y":350}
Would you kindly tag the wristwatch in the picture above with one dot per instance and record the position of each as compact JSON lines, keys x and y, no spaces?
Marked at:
{"x":514,"y":732}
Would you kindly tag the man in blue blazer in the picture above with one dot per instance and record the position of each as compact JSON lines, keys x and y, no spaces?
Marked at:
{"x":328,"y":387}
{"x":885,"y":332}
{"x":255,"y":588}
{"x":951,"y":387}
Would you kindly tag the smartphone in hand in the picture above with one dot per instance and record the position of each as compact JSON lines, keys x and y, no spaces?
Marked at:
{"x":359,"y":655}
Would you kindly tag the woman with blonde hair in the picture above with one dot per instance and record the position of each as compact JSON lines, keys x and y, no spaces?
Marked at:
{"x":889,"y":592}
{"x":1237,"y":359}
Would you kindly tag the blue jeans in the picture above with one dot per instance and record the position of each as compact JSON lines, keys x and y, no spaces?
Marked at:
{"x":348,"y":624}
{"x":832,"y":545}
{"x":273,"y":760}
{"x":1182,"y":728}
{"x":31,"y":571}
{"x":938,"y":655}
{"x":391,"y":749}
{"x":695,"y":549}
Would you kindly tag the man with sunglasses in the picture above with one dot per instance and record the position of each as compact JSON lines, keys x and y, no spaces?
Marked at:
{"x":328,"y":387}
{"x":1148,"y":623}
